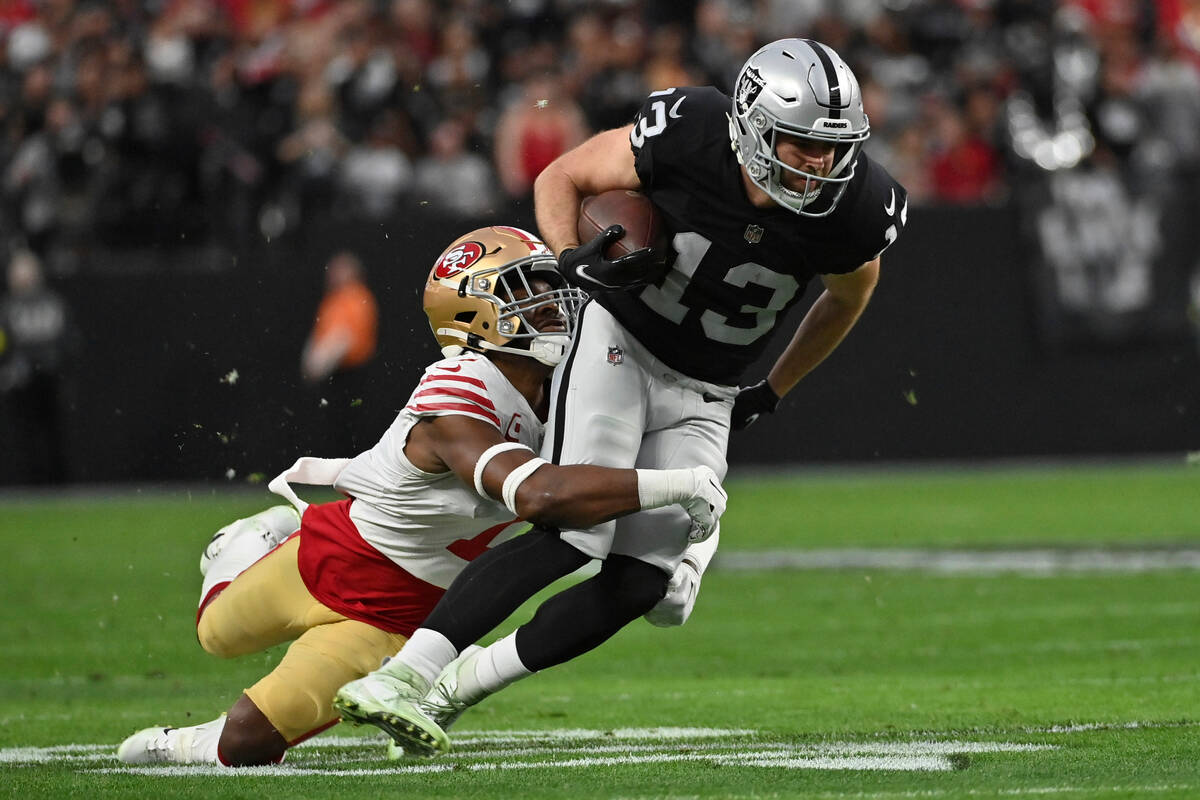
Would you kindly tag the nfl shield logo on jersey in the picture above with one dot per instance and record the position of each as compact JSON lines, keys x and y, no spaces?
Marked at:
{"x":754,"y":234}
{"x":616,"y":356}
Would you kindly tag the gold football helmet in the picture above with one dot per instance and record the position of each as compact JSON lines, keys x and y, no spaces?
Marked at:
{"x":480,"y":296}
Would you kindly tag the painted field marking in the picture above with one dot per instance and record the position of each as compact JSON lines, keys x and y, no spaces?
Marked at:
{"x":483,"y":745}
{"x":616,"y":734}
{"x":483,"y":751}
{"x":58,"y":752}
{"x":1036,"y":561}
{"x":1028,"y":790}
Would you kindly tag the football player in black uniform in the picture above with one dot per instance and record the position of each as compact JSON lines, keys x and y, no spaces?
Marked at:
{"x":761,"y":192}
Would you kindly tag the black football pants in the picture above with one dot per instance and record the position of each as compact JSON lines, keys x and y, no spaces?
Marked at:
{"x":566,"y":625}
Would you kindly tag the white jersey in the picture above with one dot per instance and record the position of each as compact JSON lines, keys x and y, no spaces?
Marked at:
{"x":431,"y":524}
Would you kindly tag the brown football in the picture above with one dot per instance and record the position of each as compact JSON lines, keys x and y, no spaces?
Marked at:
{"x":642,"y":221}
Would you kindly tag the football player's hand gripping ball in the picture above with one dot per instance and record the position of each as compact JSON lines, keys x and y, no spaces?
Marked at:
{"x":585,"y":267}
{"x":751,"y":403}
{"x":706,"y":505}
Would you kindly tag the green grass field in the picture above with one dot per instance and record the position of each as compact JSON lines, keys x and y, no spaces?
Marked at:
{"x":787,"y":682}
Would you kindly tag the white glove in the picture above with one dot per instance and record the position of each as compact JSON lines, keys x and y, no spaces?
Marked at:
{"x":706,"y":505}
{"x":677,"y":605}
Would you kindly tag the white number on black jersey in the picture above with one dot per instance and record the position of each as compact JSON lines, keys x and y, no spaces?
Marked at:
{"x":667,"y":299}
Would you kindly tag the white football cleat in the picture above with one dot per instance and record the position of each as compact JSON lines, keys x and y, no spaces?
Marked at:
{"x":272,"y":526}
{"x":389,"y":698}
{"x":443,"y":704}
{"x":677,"y":604}
{"x":196,"y":744}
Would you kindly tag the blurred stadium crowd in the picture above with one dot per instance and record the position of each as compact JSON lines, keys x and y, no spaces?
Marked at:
{"x":155,"y":121}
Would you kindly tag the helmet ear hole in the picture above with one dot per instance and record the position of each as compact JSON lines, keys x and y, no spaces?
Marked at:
{"x":465,"y":317}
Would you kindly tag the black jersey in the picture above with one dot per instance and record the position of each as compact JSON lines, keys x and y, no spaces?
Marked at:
{"x":737,"y":267}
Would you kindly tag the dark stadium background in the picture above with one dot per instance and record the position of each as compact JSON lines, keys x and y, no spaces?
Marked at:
{"x":183,"y":169}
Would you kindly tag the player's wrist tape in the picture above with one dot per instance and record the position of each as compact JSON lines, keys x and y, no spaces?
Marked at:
{"x":485,"y":458}
{"x":664,"y":487}
{"x":515,"y":479}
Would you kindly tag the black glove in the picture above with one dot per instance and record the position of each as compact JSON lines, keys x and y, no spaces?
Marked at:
{"x":752,"y":401}
{"x":585,"y":267}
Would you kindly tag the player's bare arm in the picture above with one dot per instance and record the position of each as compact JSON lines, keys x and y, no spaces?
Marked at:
{"x":825,"y":325}
{"x":603,"y":162}
{"x":540,"y":492}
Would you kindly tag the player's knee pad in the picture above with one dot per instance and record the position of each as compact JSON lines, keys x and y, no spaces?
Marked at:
{"x":212,"y":637}
{"x":634,"y":584}
{"x":223,"y":632}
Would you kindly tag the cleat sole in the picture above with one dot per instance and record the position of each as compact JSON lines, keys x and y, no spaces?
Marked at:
{"x":412,"y":738}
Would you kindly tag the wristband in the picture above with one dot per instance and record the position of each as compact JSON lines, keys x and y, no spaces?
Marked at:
{"x":664,"y":487}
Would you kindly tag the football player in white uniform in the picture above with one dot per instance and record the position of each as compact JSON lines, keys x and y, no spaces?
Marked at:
{"x":762,"y":192}
{"x":350,"y":580}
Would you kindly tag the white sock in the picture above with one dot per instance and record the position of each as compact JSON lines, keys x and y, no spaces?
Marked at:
{"x":426,"y":652}
{"x":495,"y":667}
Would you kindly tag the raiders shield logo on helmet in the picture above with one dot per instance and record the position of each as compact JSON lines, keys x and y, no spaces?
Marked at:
{"x":748,"y":90}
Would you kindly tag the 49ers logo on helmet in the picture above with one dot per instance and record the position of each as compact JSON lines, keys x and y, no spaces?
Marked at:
{"x":458,"y":259}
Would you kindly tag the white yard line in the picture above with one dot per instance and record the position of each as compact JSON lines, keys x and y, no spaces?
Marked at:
{"x":1036,"y":561}
{"x":577,"y":749}
{"x":582,"y":748}
{"x":753,"y":759}
{"x":615,"y":733}
{"x":1103,"y":645}
{"x":1029,"y":790}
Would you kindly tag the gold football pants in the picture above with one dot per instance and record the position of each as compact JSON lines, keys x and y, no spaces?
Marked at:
{"x":268,"y":604}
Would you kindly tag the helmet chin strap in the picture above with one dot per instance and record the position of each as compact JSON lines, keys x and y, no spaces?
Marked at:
{"x":549,"y":348}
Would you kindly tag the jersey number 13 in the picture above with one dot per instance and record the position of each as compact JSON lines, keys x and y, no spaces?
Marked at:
{"x":667,"y":299}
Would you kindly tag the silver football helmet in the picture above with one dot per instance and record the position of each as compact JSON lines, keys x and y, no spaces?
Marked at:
{"x":803,"y":88}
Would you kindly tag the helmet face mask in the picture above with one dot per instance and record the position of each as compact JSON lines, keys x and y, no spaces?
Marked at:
{"x":800,"y":88}
{"x":483,"y":294}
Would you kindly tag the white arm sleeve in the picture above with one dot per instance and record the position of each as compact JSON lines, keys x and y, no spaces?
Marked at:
{"x":485,"y":458}
{"x":516,"y":478}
